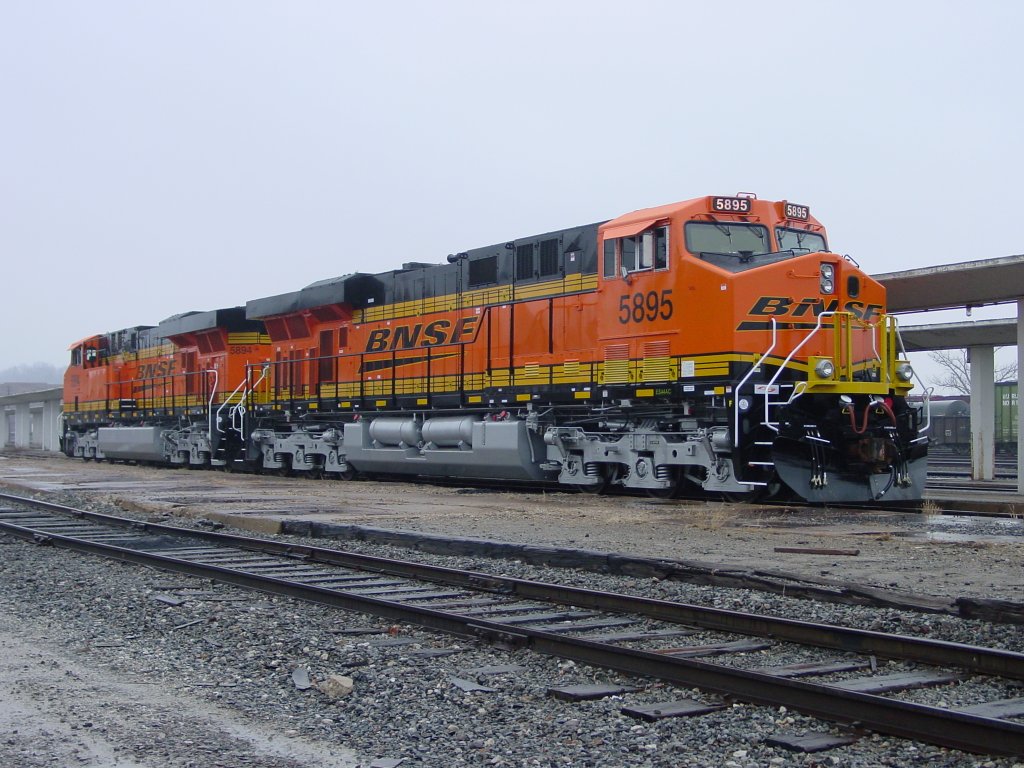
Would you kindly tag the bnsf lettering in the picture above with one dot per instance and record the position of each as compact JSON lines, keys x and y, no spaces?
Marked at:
{"x":434,"y":334}
{"x":437,"y":333}
{"x":155,"y":370}
{"x":776,"y":306}
{"x":406,"y":336}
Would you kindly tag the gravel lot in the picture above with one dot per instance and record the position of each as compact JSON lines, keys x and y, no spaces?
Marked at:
{"x":99,"y":671}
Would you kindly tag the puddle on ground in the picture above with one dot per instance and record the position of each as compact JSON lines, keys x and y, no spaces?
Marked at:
{"x":914,"y":526}
{"x":964,"y":528}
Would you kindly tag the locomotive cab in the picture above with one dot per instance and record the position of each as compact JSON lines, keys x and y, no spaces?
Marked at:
{"x":787,"y":358}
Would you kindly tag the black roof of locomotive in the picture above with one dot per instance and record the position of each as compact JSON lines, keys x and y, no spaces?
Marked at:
{"x":417,"y":280}
{"x":352,"y":289}
{"x":230,"y":319}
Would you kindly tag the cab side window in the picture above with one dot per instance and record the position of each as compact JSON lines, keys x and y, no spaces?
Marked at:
{"x":645,"y":251}
{"x":610,"y":257}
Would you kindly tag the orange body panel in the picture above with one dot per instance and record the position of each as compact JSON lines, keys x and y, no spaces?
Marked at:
{"x":155,"y":381}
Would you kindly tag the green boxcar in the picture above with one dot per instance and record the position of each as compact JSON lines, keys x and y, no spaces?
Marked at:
{"x":1006,"y":417}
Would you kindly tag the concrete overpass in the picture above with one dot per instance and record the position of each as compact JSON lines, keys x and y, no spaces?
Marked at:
{"x":966,"y":285}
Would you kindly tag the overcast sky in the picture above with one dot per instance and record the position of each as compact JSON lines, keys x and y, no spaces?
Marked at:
{"x":163,"y":157}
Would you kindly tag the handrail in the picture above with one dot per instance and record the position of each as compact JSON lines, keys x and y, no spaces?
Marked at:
{"x":213,"y":394}
{"x":736,"y":399}
{"x":887,"y":326}
{"x":239,"y":407}
{"x":227,"y":401}
{"x":796,"y":390}
{"x":927,"y":400}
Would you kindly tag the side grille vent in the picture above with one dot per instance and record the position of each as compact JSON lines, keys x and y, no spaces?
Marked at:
{"x":616,"y":364}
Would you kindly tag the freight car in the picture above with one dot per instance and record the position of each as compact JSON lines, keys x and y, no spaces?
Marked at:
{"x":712,"y":345}
{"x":951,"y":422}
{"x":951,"y":425}
{"x":1006,"y":426}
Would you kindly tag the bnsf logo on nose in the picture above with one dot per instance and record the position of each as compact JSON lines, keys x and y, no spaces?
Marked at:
{"x":776,"y":306}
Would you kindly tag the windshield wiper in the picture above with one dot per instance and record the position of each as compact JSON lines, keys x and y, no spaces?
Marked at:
{"x":790,"y":251}
{"x":744,"y":256}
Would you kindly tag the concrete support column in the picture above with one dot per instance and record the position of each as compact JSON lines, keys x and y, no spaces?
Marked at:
{"x":51,"y":425}
{"x":983,"y":413}
{"x":1020,"y":400}
{"x":22,"y":424}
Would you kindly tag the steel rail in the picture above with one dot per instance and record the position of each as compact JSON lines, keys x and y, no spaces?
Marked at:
{"x":980,"y":660}
{"x":973,"y":658}
{"x":935,"y":725}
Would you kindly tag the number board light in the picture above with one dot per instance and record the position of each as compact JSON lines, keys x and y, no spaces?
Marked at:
{"x":794,"y":211}
{"x":731,"y":204}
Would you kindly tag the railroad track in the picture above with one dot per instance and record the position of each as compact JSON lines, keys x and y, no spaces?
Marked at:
{"x":761,"y":659}
{"x":976,"y":489}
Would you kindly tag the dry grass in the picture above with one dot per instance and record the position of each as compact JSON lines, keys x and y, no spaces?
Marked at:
{"x":930,"y":508}
{"x":713,"y":517}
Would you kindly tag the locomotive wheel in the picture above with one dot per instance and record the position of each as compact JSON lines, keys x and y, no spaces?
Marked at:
{"x":594,"y":489}
{"x":776,"y":490}
{"x":742,"y":497}
{"x":671,"y":492}
{"x":348,"y":474}
{"x":662,"y":493}
{"x":609,"y":474}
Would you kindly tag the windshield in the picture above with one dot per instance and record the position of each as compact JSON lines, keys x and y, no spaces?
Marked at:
{"x":718,"y":237}
{"x":735,"y":247}
{"x":799,"y":240}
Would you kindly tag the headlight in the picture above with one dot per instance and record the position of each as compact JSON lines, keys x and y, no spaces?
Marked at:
{"x":827,"y":281}
{"x":904,"y":372}
{"x":824,"y":369}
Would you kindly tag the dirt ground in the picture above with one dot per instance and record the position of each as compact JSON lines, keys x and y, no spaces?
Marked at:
{"x":929,"y":554}
{"x":57,"y":709}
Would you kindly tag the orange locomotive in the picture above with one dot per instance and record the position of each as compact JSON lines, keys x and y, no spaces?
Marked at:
{"x":711,"y":344}
{"x":161,"y":394}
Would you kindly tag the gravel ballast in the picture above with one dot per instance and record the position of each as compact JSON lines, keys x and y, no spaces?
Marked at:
{"x":103,"y":670}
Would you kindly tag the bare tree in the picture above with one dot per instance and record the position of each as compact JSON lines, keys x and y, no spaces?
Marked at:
{"x":957,"y":366}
